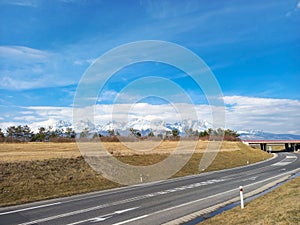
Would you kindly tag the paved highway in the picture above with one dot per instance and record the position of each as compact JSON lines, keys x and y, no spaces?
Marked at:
{"x":153,"y":203}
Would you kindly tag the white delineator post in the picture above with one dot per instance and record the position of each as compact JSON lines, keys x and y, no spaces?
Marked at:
{"x":141,"y":178}
{"x":242,"y":197}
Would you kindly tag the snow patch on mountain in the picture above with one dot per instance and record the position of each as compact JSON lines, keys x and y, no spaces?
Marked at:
{"x":143,"y":126}
{"x":157,"y":127}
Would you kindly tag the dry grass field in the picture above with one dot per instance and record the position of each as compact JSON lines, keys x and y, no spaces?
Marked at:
{"x":11,"y":152}
{"x":280,"y":207}
{"x":35,"y":171}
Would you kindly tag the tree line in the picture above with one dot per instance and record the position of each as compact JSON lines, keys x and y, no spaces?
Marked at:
{"x":25,"y":134}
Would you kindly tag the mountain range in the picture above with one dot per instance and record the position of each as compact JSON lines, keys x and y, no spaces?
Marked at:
{"x":144,"y":127}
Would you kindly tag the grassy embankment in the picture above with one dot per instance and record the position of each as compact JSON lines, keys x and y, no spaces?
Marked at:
{"x":35,"y":171}
{"x":280,"y":207}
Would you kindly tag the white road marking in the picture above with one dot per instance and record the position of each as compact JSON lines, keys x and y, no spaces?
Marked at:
{"x":250,"y":178}
{"x":291,"y":157}
{"x":212,"y":196}
{"x":128,"y":200}
{"x":93,"y":220}
{"x":99,"y":219}
{"x":112,"y":204}
{"x":195,"y":185}
{"x":104,"y":217}
{"x":281,"y":163}
{"x":131,"y":220}
{"x":120,"y":189}
{"x":125,"y":210}
{"x":286,"y":161}
{"x":173,"y":207}
{"x":30,"y":208}
{"x":167,"y":181}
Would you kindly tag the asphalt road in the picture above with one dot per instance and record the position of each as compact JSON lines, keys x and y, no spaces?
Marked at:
{"x":153,"y":203}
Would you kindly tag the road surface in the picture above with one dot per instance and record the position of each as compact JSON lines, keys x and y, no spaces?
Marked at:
{"x":153,"y":203}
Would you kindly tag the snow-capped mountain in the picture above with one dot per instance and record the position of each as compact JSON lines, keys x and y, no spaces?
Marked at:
{"x":144,"y":127}
{"x":51,"y":123}
{"x":62,"y":124}
{"x":104,"y":129}
{"x":185,"y":125}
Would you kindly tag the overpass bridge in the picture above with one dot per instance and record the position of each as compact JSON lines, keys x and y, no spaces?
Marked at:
{"x":292,"y":145}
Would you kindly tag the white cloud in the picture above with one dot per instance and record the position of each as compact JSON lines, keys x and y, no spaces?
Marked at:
{"x":26,"y":112}
{"x":24,"y":3}
{"x":23,"y":67}
{"x":167,"y":9}
{"x":26,"y":118}
{"x":81,"y":62}
{"x":22,"y":52}
{"x":28,"y":68}
{"x":296,"y":9}
{"x":10,"y":82}
{"x":52,"y":112}
{"x":107,"y":95}
{"x":266,"y":114}
{"x":273,"y":115}
{"x":270,"y":115}
{"x":43,"y":116}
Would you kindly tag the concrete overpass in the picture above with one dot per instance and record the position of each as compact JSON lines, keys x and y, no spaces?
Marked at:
{"x":292,"y":145}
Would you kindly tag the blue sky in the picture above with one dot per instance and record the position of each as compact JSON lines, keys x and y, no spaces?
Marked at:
{"x":252,"y":47}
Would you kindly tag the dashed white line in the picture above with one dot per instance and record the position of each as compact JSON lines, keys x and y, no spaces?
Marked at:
{"x":195,"y":185}
{"x":131,"y":220}
{"x":103,"y":217}
{"x":133,"y":199}
{"x":29,"y":208}
{"x":250,"y":178}
{"x":211,"y":196}
{"x":93,"y":220}
{"x":125,"y":210}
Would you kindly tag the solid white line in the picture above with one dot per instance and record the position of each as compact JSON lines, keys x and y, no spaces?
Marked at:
{"x":69,"y":214}
{"x":104,"y":217}
{"x":26,"y":209}
{"x":211,"y":196}
{"x":95,"y":219}
{"x":131,"y":220}
{"x":125,"y":210}
{"x":122,"y":201}
{"x":174,"y":207}
{"x":95,"y":194}
{"x":63,"y":215}
{"x":106,"y":205}
{"x":126,"y":201}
